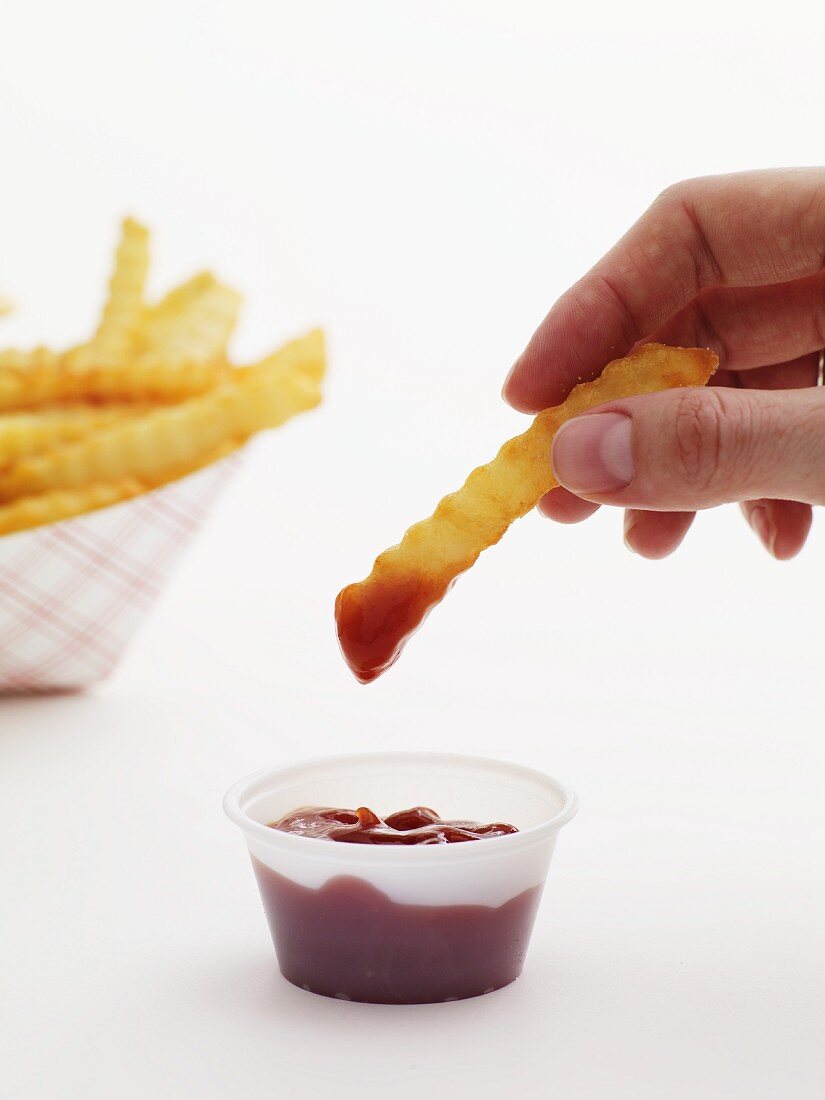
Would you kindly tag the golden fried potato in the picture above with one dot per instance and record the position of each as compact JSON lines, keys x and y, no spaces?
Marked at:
{"x":26,"y":377}
{"x":209,"y":458}
{"x":192,"y":324}
{"x":148,"y":446}
{"x":306,"y":355}
{"x":122,"y":314}
{"x":59,"y":504}
{"x":35,"y":511}
{"x":150,"y":398}
{"x":27,"y":433}
{"x":29,"y":379}
{"x":376,"y":616}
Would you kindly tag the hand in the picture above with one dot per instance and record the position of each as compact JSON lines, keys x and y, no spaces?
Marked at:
{"x":734,"y":263}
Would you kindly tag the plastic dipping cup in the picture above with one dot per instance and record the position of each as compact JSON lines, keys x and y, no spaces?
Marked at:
{"x":402,"y":924}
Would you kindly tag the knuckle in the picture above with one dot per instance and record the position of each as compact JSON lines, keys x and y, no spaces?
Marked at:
{"x":693,"y":185}
{"x":681,"y":205}
{"x":679,"y":193}
{"x":673,"y":193}
{"x":705,"y":331}
{"x":809,"y":219}
{"x":700,"y":437}
{"x":819,"y":313}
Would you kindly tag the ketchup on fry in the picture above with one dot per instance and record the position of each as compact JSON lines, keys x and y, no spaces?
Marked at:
{"x":374,"y":626}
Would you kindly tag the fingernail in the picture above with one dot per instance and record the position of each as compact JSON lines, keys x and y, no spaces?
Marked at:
{"x":510,"y":374}
{"x":630,"y":519}
{"x":761,"y":523}
{"x":592,"y":454}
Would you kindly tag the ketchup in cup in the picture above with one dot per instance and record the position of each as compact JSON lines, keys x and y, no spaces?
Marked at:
{"x":420,"y":825}
{"x":410,"y":907}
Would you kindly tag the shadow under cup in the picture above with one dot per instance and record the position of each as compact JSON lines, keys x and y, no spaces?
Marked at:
{"x":402,"y":924}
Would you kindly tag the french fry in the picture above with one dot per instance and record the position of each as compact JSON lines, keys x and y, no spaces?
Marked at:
{"x":151,"y":398}
{"x":122,"y":314}
{"x":217,"y":454}
{"x":6,"y":306}
{"x":29,"y":379}
{"x":376,"y":616}
{"x":60,"y":504}
{"x":16,"y":363}
{"x":192,"y":323}
{"x":35,"y":511}
{"x":119,"y":324}
{"x":306,"y":355}
{"x":148,"y":446}
{"x":27,"y":433}
{"x":168,"y":352}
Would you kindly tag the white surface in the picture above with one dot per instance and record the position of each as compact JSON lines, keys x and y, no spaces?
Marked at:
{"x":423,"y":179}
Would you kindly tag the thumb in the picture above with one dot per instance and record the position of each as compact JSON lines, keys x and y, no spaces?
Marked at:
{"x":695,"y":448}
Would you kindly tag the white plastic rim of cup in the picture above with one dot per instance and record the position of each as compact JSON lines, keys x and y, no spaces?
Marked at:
{"x":489,"y":872}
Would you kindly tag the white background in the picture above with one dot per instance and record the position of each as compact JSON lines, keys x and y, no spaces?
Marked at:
{"x":423,"y":179}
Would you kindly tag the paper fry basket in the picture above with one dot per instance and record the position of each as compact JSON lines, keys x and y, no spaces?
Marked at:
{"x":73,"y":593}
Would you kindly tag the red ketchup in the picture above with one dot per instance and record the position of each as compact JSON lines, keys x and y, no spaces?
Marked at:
{"x":375,"y":620}
{"x":419,"y":825}
{"x":348,"y":939}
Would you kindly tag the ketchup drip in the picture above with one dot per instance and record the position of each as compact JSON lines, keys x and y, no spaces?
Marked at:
{"x":419,"y":825}
{"x":375,"y":618}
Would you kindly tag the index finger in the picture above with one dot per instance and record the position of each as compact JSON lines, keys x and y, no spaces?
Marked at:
{"x":748,"y":229}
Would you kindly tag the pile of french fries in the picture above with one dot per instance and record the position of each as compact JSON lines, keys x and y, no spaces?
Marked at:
{"x":150,"y":398}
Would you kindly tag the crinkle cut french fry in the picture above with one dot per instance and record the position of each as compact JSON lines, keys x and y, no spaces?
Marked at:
{"x":149,"y":399}
{"x":27,"y":433}
{"x":376,"y":616}
{"x":16,"y":363}
{"x":178,"y":301}
{"x":224,"y":450}
{"x":179,"y":346}
{"x":59,"y":504}
{"x":28,"y":377}
{"x":124,"y":308}
{"x":36,"y":378}
{"x":147,"y":446}
{"x":193,"y":323}
{"x":120,"y":321}
{"x":306,"y":354}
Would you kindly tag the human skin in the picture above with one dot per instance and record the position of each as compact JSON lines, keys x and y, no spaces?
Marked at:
{"x":735,"y":263}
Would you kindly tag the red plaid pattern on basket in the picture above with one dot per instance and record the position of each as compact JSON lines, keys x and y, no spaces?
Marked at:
{"x":72,"y":593}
